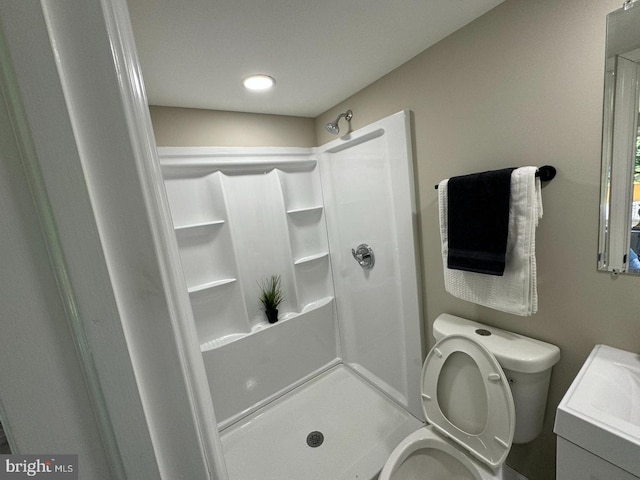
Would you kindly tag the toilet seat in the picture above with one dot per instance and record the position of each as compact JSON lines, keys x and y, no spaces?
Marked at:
{"x":427,"y":442}
{"x":467,"y":374}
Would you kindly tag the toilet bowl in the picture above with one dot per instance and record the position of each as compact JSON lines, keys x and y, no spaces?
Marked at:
{"x":470,"y":379}
{"x":426,"y":455}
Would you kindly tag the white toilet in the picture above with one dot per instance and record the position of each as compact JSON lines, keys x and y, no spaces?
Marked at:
{"x":482,"y":390}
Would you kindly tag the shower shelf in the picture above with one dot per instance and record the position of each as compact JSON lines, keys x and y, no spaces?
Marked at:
{"x":208,"y":285}
{"x":214,"y":343}
{"x":210,"y":223}
{"x":311,"y":258}
{"x":305,"y":210}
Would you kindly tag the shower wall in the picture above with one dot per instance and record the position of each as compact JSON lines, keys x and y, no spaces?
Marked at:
{"x":244,"y":214}
{"x":367,"y":178}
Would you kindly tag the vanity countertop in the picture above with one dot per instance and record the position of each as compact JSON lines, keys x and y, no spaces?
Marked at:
{"x":601,"y":410}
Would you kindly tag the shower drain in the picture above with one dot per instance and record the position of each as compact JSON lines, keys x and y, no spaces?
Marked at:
{"x":315,"y":439}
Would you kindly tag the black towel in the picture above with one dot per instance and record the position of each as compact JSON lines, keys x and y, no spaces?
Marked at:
{"x":478,"y":217}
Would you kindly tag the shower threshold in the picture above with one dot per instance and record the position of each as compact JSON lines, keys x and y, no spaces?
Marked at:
{"x":359,"y":427}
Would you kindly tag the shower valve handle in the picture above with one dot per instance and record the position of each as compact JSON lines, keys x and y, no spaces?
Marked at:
{"x":364,"y":256}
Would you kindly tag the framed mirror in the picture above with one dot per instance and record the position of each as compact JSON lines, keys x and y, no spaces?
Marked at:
{"x":619,"y":243}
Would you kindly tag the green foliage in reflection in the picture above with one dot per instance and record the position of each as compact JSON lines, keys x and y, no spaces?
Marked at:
{"x":636,"y":172}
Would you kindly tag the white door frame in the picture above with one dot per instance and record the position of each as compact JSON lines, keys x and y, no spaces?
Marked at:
{"x":79,"y":108}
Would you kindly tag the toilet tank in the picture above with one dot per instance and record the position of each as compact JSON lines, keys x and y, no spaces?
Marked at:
{"x":526,"y":362}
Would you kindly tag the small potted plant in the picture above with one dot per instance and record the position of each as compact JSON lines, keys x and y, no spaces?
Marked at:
{"x":271,"y":295}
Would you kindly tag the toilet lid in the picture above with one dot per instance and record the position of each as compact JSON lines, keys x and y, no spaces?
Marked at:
{"x":466,"y":397}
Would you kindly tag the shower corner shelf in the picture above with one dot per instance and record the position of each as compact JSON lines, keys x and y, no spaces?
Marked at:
{"x":311,"y":258}
{"x":211,"y":223}
{"x":209,"y":285}
{"x":316,"y":304}
{"x":295,"y":211}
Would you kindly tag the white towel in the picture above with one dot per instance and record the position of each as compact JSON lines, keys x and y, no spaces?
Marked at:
{"x":516,"y":291}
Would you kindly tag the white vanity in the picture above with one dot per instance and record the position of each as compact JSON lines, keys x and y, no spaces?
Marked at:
{"x":598,"y":420}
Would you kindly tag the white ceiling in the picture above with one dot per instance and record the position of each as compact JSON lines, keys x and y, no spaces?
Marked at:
{"x":195,"y":53}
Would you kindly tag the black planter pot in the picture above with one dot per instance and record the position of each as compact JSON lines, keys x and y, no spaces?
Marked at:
{"x":272,"y":315}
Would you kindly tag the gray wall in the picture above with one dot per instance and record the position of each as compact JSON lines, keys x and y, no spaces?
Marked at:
{"x":521,"y":85}
{"x":190,"y":127}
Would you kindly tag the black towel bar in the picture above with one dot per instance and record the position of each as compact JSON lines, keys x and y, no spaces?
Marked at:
{"x":546,"y":173}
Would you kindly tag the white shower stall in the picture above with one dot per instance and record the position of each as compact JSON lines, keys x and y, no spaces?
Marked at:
{"x":344,"y":358}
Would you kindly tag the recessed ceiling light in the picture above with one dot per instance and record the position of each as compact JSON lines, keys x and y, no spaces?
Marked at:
{"x":258,"y":82}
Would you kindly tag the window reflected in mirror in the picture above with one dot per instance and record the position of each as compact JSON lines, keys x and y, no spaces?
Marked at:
{"x":634,"y":244}
{"x":619,"y":245}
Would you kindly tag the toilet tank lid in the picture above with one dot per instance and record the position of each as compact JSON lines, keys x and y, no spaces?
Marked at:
{"x":514,"y":352}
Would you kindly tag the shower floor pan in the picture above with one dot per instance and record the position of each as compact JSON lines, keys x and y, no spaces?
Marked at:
{"x":359,"y":428}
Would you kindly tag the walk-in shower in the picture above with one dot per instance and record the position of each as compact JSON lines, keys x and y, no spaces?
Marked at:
{"x":344,"y":354}
{"x":333,"y":128}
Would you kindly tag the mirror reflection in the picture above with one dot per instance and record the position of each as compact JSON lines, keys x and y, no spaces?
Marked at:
{"x":619,"y":246}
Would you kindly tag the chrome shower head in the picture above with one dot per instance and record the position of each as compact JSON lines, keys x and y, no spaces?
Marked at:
{"x":333,"y":128}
